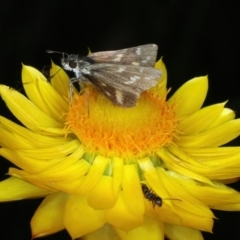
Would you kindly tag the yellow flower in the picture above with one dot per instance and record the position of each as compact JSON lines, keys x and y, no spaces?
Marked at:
{"x":91,"y":159}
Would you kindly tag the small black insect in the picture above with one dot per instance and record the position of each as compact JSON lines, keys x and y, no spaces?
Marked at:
{"x":121,"y":75}
{"x":151,"y":196}
{"x":46,"y":72}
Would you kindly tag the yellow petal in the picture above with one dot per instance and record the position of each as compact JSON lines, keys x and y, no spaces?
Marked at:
{"x":80,"y":219}
{"x":175,"y":164}
{"x":130,"y":185}
{"x":31,"y":116}
{"x":89,"y":51}
{"x":117,"y":174}
{"x":104,"y":233}
{"x":52,"y":152}
{"x":146,"y":164}
{"x":27,"y":160}
{"x":166,"y":212}
{"x":94,"y":175}
{"x":211,"y":166}
{"x":102,"y":195}
{"x":55,"y":176}
{"x":213,"y":137}
{"x":162,"y":213}
{"x":12,"y":141}
{"x":26,"y":163}
{"x":15,"y":189}
{"x":66,"y":175}
{"x":225,"y":116}
{"x":229,"y":181}
{"x":121,"y":216}
{"x":188,"y":203}
{"x":210,"y":154}
{"x":222,"y":169}
{"x":150,"y":229}
{"x":21,"y":174}
{"x":192,"y":220}
{"x":200,"y":120}
{"x":180,"y":155}
{"x":190,"y":96}
{"x":160,"y":89}
{"x":30,"y":137}
{"x":182,"y":233}
{"x":156,"y":184}
{"x":48,"y":218}
{"x":217,"y":196}
{"x":42,"y":94}
{"x":64,"y":167}
{"x":59,"y":80}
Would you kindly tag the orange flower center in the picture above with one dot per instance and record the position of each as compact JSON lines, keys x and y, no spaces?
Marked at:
{"x":124,"y":132}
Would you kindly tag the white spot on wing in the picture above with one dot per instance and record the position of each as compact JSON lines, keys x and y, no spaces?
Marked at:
{"x":121,"y":69}
{"x":135,"y":63}
{"x":119,"y":96}
{"x":138,"y":51}
{"x":118,"y":58}
{"x":136,"y":77}
{"x":132,"y":80}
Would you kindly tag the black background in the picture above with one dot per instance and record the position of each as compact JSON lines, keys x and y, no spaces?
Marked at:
{"x":196,"y":37}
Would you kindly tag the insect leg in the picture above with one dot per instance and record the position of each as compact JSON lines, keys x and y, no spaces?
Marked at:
{"x":71,"y":81}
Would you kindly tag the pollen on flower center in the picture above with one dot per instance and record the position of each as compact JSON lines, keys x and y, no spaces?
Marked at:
{"x":116,"y":131}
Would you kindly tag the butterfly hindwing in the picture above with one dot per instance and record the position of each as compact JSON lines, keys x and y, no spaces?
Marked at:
{"x":117,"y":97}
{"x":121,"y":83}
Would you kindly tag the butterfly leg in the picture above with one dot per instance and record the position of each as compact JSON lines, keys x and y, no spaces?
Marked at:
{"x":82,"y":90}
{"x":71,"y":81}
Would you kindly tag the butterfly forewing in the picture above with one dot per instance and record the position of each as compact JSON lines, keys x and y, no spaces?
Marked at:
{"x":144,"y":55}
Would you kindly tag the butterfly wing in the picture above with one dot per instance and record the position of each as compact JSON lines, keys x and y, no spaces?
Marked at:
{"x":144,"y":55}
{"x":122,"y":84}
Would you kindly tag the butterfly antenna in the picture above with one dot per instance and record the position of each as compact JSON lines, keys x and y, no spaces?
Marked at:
{"x":50,"y":51}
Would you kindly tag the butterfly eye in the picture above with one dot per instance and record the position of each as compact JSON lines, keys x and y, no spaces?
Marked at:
{"x":72,"y":64}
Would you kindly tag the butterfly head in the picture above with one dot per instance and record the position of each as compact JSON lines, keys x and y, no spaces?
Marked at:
{"x":70,"y":63}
